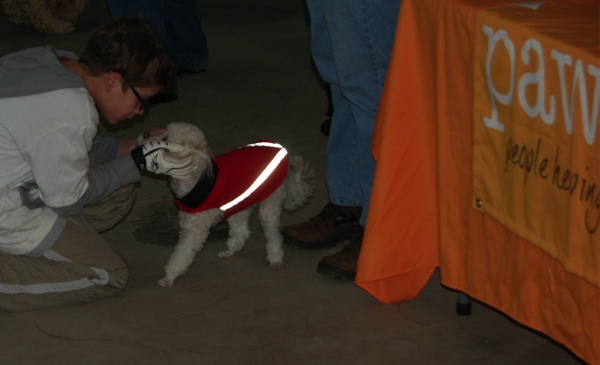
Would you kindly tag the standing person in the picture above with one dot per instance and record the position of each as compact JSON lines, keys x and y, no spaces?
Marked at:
{"x":351,"y":43}
{"x":180,"y":29}
{"x":60,"y":182}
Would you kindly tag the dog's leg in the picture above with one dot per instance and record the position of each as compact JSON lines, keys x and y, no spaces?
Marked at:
{"x":239,"y":232}
{"x":269,"y":213}
{"x":193,"y":232}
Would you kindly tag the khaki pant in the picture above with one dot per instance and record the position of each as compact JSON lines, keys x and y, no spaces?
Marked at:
{"x":80,"y":267}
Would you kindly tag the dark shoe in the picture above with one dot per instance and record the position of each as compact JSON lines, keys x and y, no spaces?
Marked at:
{"x":343,"y":264}
{"x":335,"y":223}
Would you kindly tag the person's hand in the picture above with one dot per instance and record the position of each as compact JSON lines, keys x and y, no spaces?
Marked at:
{"x":127,"y":145}
{"x":161,"y":157}
{"x":155,"y":134}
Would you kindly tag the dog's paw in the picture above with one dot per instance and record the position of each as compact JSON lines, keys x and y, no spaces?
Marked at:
{"x":225,"y":254}
{"x":166,"y":282}
{"x":278,"y":265}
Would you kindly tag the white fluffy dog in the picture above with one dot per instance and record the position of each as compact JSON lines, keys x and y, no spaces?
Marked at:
{"x":217,"y":190}
{"x":48,"y":16}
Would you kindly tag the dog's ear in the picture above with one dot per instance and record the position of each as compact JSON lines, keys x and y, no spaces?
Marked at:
{"x":199,"y":144}
{"x":188,"y":135}
{"x":178,"y":154}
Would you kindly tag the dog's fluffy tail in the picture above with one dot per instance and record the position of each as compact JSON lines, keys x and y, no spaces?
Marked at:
{"x":300,"y":183}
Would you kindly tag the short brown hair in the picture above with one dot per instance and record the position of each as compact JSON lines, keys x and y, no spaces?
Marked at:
{"x":132,"y":47}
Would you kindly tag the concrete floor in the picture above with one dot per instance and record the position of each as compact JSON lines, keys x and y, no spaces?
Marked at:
{"x":259,"y":84}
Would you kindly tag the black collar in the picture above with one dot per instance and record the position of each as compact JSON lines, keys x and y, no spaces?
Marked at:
{"x":201,"y":190}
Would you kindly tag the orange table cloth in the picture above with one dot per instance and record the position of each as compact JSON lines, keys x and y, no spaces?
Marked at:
{"x":487,"y":154}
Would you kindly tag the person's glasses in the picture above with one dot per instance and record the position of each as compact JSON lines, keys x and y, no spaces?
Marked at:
{"x":143,"y":103}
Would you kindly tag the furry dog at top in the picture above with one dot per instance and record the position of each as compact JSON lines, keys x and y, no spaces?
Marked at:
{"x":230,"y":186}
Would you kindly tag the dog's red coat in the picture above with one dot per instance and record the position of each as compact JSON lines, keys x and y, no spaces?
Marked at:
{"x":237,"y":171}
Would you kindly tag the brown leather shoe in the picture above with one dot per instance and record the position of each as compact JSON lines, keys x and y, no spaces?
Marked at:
{"x":333,"y":224}
{"x":343,"y":264}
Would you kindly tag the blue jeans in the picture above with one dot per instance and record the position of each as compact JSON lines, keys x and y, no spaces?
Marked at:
{"x":351,"y":43}
{"x":177,"y":23}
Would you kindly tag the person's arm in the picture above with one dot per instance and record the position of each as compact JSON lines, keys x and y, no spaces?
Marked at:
{"x":67,"y":182}
{"x":62,"y":172}
{"x":103,"y":180}
{"x":105,"y":149}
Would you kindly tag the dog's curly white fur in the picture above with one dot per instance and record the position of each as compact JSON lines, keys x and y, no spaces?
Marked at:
{"x":194,"y":227}
{"x":47,"y":16}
